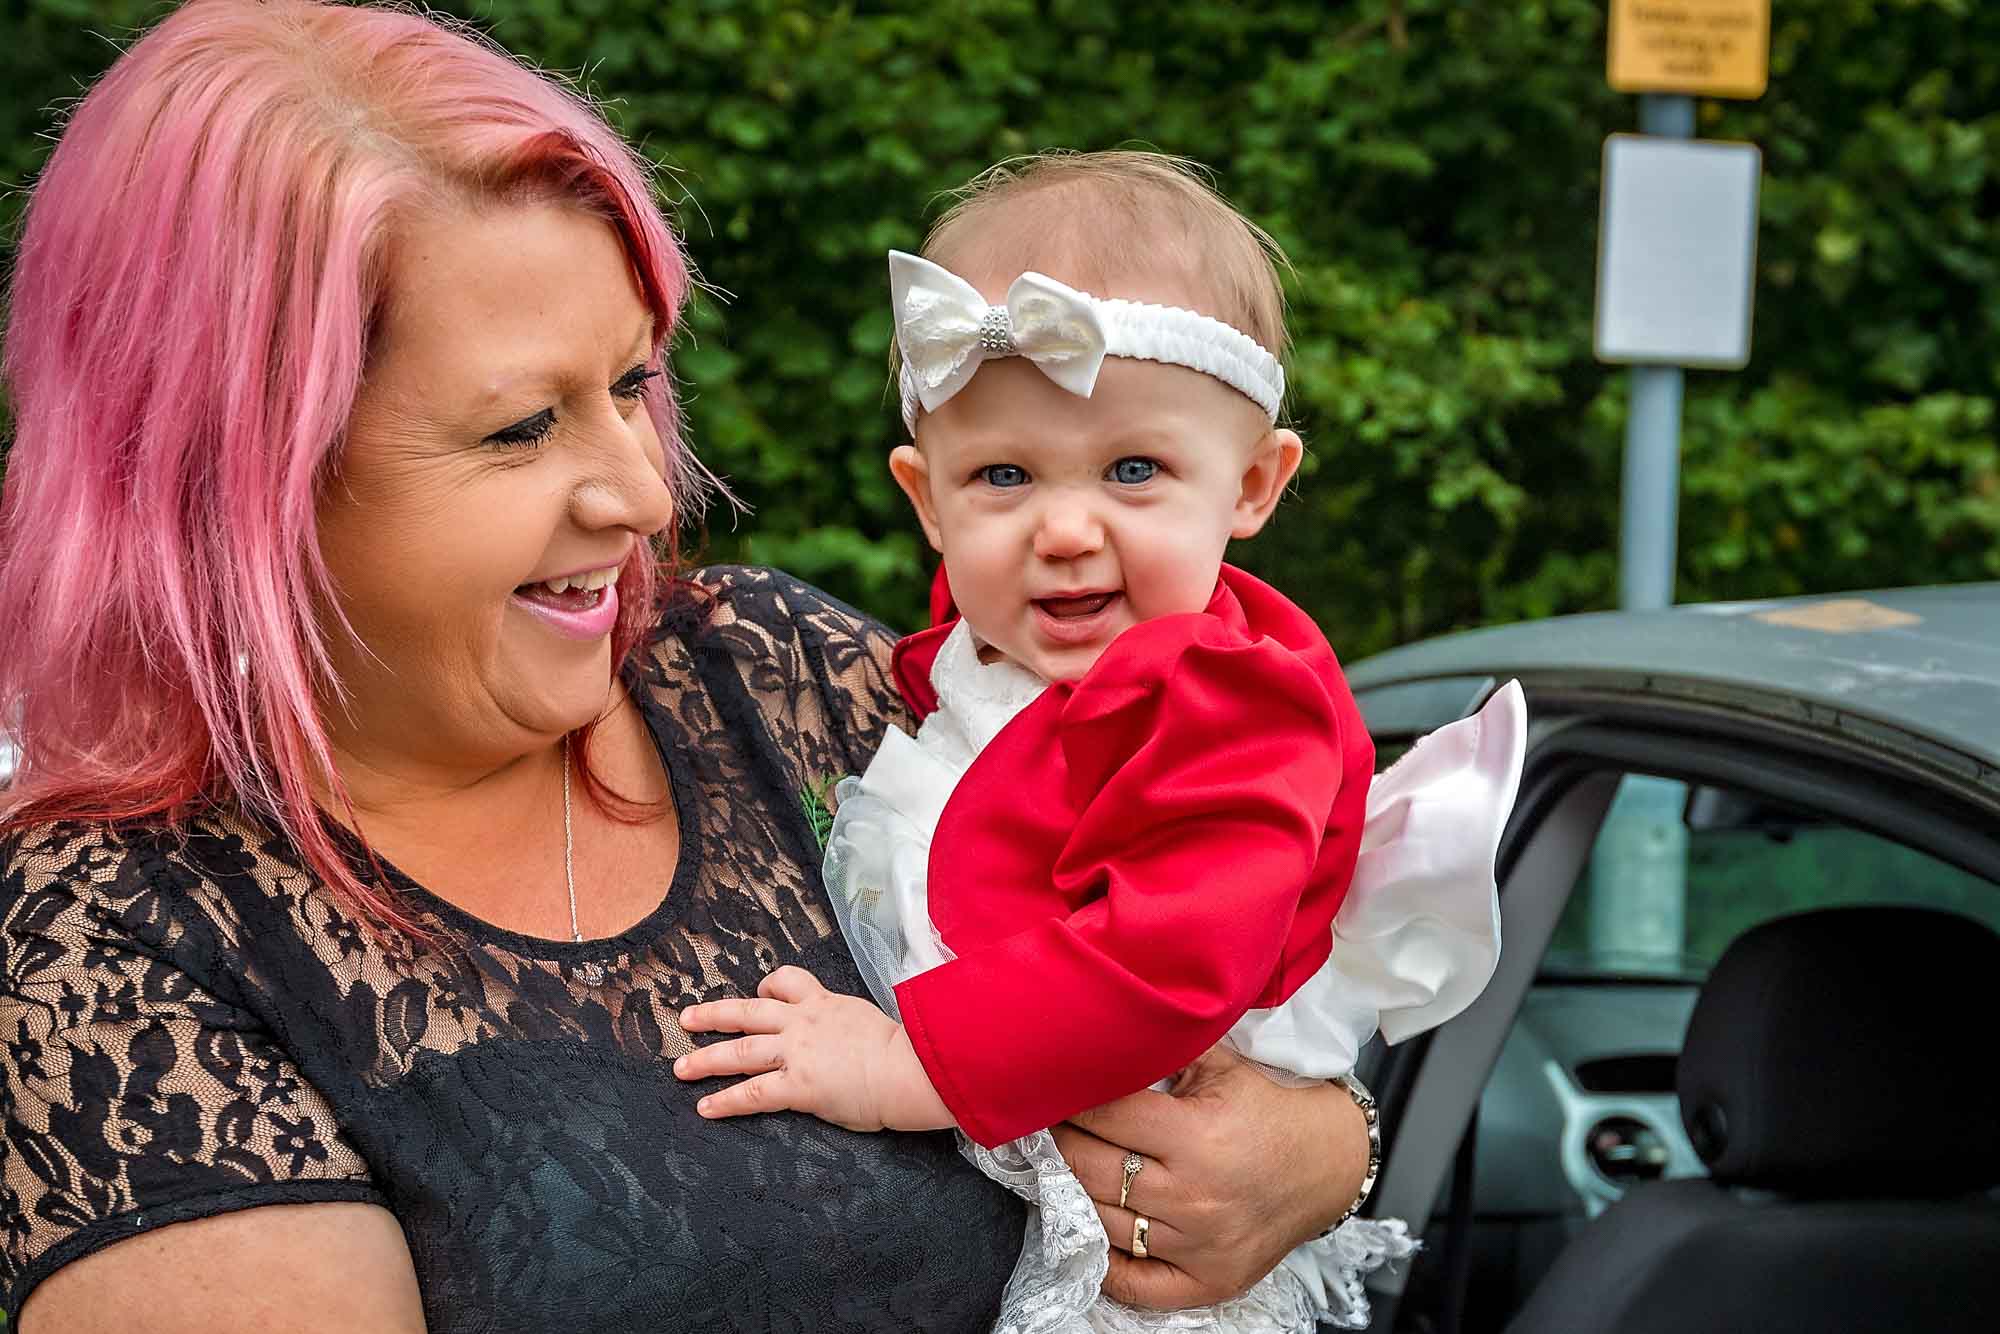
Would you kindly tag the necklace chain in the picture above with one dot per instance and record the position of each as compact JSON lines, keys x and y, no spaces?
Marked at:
{"x":569,"y":850}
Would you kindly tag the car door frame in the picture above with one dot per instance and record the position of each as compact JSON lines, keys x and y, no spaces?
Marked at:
{"x":1916,"y":791}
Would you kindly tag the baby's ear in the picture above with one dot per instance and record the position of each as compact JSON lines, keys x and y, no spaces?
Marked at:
{"x":912,"y":472}
{"x":1273,"y":461}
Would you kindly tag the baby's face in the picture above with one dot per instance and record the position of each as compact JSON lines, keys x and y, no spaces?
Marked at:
{"x":1064,"y":520}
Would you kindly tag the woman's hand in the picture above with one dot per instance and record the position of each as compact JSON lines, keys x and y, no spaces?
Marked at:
{"x":1237,"y":1171}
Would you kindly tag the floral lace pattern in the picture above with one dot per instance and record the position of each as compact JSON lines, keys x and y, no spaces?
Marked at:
{"x":194,"y":1026}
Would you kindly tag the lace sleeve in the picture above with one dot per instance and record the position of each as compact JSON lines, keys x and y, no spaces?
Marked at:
{"x":134,"y":1095}
{"x":819,"y":669}
{"x":847,"y":658}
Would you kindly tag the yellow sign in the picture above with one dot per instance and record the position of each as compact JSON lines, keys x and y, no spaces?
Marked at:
{"x":1708,"y":48}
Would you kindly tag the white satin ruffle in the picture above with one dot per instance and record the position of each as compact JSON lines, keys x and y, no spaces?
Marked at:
{"x":1415,"y":941}
{"x":1418,"y":935}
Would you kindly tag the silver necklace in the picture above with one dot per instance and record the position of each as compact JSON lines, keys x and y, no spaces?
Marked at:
{"x":589,"y":973}
{"x":569,"y":850}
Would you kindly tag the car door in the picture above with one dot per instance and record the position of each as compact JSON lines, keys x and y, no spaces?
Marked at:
{"x":1649,"y":834}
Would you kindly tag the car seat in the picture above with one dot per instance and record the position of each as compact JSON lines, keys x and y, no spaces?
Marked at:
{"x":1838,"y":1078}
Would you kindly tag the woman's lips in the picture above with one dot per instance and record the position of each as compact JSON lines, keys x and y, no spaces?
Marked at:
{"x":1075,"y":620}
{"x":577,"y":614}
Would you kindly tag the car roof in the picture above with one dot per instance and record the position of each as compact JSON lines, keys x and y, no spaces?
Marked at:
{"x":1921,"y":660}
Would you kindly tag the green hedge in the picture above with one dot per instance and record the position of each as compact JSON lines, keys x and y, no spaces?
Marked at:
{"x":1431,"y":165}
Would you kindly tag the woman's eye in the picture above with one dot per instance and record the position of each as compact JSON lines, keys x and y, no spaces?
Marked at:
{"x":528,"y":431}
{"x":1133,"y":471}
{"x":632,"y":384}
{"x":1004,"y":475}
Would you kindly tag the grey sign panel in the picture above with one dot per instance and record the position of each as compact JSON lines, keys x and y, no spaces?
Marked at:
{"x":1677,"y":252}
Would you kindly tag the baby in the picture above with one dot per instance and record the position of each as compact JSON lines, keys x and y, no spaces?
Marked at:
{"x":1137,"y":819}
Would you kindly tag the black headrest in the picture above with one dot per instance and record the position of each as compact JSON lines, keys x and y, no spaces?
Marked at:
{"x":1849,"y":1052}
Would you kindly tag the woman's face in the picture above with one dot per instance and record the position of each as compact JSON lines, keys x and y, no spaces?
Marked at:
{"x":499,"y":447}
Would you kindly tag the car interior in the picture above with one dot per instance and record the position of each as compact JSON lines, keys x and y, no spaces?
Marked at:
{"x":1662,"y":877}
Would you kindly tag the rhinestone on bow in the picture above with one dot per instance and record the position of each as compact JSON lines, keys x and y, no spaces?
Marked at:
{"x":996,"y":332}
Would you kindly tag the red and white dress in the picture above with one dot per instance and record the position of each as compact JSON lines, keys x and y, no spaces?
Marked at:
{"x":1068,"y":891}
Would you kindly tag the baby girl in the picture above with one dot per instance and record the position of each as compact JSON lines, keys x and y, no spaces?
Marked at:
{"x":1139,"y":817}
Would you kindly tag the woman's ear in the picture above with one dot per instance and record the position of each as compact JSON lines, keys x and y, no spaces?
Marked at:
{"x":1273,"y":461}
{"x":913,"y":473}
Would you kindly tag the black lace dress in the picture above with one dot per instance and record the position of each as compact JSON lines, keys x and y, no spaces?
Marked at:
{"x":194,"y":1026}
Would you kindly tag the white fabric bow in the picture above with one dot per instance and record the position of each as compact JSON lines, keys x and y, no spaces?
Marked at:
{"x":946,"y":329}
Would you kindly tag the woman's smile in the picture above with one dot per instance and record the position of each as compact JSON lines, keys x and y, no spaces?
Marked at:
{"x":576,"y":606}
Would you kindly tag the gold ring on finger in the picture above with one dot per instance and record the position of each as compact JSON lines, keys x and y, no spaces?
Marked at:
{"x":1133,"y":1162}
{"x":1141,"y":1225}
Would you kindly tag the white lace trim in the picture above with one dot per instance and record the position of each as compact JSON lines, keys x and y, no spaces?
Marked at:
{"x":975,"y":699}
{"x":1065,"y":1256}
{"x":1333,"y":1269}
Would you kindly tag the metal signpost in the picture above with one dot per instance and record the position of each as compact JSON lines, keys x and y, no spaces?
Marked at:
{"x":1677,"y":244}
{"x":1676,"y":274}
{"x":1676,"y":260}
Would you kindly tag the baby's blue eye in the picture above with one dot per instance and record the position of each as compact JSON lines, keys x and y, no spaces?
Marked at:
{"x":1133,"y":471}
{"x":1004,"y":475}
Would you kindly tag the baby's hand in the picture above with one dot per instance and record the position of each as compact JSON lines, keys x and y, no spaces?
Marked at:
{"x":812,"y":1050}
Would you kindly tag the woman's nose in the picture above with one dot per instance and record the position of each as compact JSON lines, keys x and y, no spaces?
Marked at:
{"x":627,"y":487}
{"x":1067,"y":530}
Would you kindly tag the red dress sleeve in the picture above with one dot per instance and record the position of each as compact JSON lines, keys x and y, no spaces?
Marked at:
{"x":1204,"y":765}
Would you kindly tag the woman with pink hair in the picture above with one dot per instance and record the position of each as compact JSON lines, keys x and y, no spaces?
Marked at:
{"x":385,"y":790}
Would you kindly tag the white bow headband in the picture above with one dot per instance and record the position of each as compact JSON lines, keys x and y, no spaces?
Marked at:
{"x":945,"y":330}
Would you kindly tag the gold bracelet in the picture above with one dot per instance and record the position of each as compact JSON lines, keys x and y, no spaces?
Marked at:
{"x":1366,"y":1102}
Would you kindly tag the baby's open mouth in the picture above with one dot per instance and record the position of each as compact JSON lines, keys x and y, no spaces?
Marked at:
{"x":1066,"y":609}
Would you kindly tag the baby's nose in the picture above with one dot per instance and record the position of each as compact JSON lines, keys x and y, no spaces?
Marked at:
{"x":1068,"y":530}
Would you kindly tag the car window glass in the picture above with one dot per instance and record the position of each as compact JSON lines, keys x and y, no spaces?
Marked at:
{"x":1679,"y":871}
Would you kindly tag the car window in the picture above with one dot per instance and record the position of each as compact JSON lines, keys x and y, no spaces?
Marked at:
{"x":1678,"y":871}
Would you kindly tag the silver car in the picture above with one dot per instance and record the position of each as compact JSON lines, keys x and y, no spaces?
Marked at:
{"x":1718,"y":801}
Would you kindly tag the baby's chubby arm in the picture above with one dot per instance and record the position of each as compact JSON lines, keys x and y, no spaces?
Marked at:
{"x":811,"y":1050}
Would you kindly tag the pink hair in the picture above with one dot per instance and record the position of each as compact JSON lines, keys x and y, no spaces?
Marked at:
{"x":193,"y":298}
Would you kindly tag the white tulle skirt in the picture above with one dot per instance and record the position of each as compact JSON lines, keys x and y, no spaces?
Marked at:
{"x":1415,"y":941}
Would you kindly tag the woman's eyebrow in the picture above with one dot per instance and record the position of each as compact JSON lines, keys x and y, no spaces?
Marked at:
{"x":646,"y":338}
{"x":516,"y":383}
